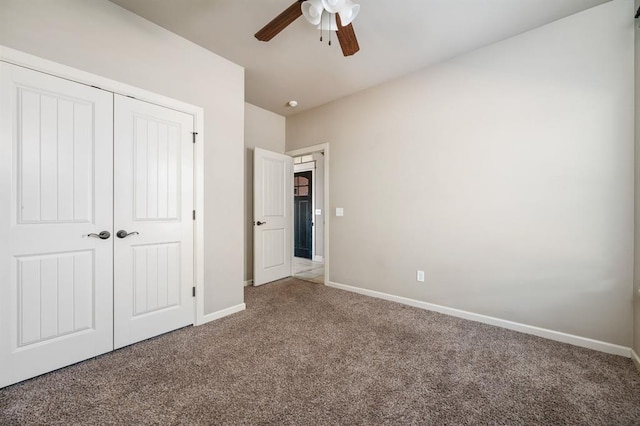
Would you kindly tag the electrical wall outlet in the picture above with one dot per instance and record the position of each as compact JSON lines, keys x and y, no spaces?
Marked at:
{"x":420,"y":276}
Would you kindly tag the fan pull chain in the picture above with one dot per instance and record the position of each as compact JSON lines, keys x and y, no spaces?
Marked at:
{"x":329,"y":30}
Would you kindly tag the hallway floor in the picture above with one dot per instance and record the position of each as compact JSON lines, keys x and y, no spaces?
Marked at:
{"x":308,"y":270}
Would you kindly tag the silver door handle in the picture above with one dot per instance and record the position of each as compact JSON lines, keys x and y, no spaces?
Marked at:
{"x":104,"y":235}
{"x":124,"y":234}
{"x":260,"y":223}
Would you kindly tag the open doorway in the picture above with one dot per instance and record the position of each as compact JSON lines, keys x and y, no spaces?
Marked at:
{"x":273,"y":218}
{"x":303,"y":212}
{"x":309,"y":213}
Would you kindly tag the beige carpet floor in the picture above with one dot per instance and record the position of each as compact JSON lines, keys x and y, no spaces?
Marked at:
{"x":306,"y":354}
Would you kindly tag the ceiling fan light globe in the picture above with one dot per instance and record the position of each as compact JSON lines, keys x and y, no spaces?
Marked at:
{"x":349,"y":12}
{"x":333,"y":6}
{"x":312,"y":11}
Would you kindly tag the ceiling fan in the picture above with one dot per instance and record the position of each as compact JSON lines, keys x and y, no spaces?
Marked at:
{"x":330,"y":14}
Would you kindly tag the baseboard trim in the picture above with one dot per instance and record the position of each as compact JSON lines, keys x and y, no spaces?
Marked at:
{"x":636,"y":359}
{"x":248,"y":283}
{"x":223,"y":313}
{"x":584,"y":342}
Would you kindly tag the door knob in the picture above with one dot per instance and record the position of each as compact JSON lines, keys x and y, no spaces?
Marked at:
{"x":124,"y":234}
{"x":104,"y":235}
{"x":260,"y":223}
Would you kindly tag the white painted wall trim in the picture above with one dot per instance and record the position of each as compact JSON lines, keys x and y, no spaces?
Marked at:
{"x":248,"y":283}
{"x":306,"y":167}
{"x":636,"y":359}
{"x":198,"y":173}
{"x":36,"y":63}
{"x":323,"y":147}
{"x":318,"y":258}
{"x":223,"y":313}
{"x":523,"y":328}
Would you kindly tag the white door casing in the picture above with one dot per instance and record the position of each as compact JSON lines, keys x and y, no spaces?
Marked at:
{"x":326,"y":217}
{"x":55,"y":189}
{"x":153,"y":180}
{"x":273,"y":216}
{"x":311,"y":166}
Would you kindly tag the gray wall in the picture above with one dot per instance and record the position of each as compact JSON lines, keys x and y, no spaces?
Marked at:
{"x":636,"y":290}
{"x":99,"y":37}
{"x":266,"y":130}
{"x":506,"y":174}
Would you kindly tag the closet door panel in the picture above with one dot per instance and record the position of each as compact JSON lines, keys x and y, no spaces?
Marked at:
{"x":154,"y":267}
{"x":56,"y":296}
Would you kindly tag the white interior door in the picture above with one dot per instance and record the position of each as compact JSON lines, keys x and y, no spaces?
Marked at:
{"x":272,"y":215}
{"x":55,"y":189}
{"x":153,"y":179}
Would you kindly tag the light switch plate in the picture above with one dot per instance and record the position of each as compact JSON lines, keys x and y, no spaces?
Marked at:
{"x":339,"y":211}
{"x":318,"y":212}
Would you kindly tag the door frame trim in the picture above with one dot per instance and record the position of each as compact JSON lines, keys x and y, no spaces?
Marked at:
{"x":313,"y":206}
{"x":323,"y":147}
{"x":55,"y":69}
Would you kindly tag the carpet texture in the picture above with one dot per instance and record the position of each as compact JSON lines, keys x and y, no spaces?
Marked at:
{"x":303,"y":354}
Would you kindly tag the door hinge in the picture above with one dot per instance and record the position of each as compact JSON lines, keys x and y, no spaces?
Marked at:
{"x":194,"y":136}
{"x":194,"y":215}
{"x":193,"y":292}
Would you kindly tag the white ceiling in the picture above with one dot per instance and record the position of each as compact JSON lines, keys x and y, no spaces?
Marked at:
{"x":396,"y":37}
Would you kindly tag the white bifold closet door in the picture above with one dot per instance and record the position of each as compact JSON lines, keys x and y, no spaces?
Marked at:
{"x":56,"y":168}
{"x":153,"y":277}
{"x":66,"y":294}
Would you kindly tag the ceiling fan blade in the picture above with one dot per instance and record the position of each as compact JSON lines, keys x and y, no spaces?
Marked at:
{"x":347,"y":38}
{"x":280,"y":22}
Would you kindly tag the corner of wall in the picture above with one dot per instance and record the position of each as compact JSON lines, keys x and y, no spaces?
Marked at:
{"x":636,"y":280}
{"x":262,"y":129}
{"x":636,"y":359}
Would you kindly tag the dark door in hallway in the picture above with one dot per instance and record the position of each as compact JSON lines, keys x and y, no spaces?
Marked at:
{"x":302,"y":213}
